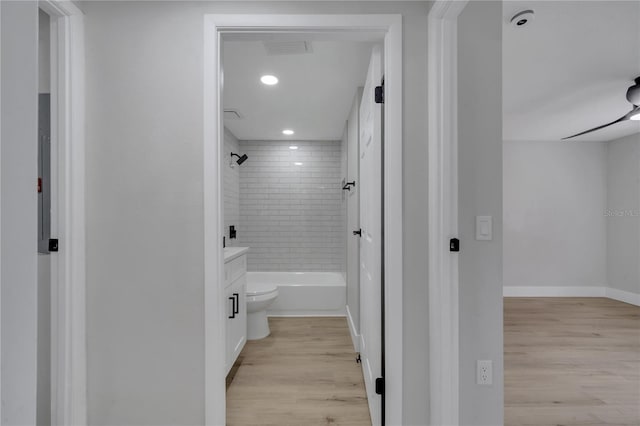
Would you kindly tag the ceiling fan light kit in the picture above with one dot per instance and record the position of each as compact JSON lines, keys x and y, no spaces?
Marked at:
{"x":633,"y":96}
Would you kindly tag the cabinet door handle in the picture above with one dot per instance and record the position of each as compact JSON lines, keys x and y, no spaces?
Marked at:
{"x":233,"y":308}
{"x":236,"y":304}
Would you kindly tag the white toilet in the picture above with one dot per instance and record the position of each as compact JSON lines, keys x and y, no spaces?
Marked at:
{"x":259,"y":297}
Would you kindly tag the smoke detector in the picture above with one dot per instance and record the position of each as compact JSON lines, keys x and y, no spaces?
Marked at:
{"x":522,"y":18}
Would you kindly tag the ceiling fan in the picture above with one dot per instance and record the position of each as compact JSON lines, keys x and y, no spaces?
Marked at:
{"x":633,"y":96}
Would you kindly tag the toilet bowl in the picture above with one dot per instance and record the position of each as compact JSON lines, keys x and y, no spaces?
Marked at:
{"x":259,"y":297}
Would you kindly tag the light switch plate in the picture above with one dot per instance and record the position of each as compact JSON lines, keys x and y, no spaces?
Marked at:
{"x":484,"y":228}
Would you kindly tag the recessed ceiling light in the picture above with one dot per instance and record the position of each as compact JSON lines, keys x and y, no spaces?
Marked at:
{"x":269,"y":80}
{"x":288,"y":132}
{"x":293,"y":147}
{"x":298,"y":164}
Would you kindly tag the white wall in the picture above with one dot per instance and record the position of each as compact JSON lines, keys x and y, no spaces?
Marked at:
{"x":415,"y":299}
{"x":145,"y":209}
{"x":622,"y":214}
{"x":231,"y":176}
{"x":554,"y":227}
{"x":144,"y":200}
{"x":44,"y":53}
{"x":480,"y":186}
{"x":18,"y":202}
{"x":291,"y":215}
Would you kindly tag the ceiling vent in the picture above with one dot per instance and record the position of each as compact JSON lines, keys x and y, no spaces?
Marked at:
{"x":275,"y":48}
{"x":232,"y":114}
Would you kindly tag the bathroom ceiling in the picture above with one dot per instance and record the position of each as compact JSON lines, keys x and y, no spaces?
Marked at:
{"x":569,"y":69}
{"x":313,"y":96}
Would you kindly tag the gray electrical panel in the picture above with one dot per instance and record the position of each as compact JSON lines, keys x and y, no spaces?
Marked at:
{"x":44,"y":172}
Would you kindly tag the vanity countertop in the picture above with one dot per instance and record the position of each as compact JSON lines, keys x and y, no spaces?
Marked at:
{"x":231,"y":253}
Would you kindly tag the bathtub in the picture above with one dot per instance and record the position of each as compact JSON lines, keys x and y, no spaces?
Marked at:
{"x":305,"y":293}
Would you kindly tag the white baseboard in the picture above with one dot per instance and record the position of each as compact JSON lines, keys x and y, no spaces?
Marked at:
{"x":571,"y":291}
{"x":623,"y":296}
{"x":355,"y":337}
{"x":306,"y":313}
{"x":553,"y":291}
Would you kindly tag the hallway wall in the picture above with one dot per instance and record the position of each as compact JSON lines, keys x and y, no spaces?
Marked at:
{"x":18,"y":211}
{"x":480,"y":194}
{"x":145,"y":223}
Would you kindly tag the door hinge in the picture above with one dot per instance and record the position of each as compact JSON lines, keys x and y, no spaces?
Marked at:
{"x":379,"y":94}
{"x":380,"y":385}
{"x":53,"y":244}
{"x":454,"y":245}
{"x":358,"y":232}
{"x":358,"y":359}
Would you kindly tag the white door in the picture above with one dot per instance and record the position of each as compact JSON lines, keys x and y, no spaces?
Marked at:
{"x":353,"y":218}
{"x":371,"y":240}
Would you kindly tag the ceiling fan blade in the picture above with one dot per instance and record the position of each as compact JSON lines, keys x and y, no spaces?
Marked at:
{"x":623,"y":118}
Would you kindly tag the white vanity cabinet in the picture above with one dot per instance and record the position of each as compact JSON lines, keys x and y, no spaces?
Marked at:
{"x":235,"y":282}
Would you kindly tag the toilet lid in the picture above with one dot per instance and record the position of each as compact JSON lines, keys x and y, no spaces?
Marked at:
{"x":257,"y":289}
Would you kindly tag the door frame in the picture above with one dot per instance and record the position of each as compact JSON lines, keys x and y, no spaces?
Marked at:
{"x":214,"y":327}
{"x":442,"y":85}
{"x":68,"y":270}
{"x":1,"y":381}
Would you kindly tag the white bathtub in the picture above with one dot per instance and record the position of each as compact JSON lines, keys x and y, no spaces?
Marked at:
{"x":305,"y":293}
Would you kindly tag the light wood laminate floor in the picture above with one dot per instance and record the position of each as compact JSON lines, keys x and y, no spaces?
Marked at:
{"x":571,"y":361}
{"x":304,"y":373}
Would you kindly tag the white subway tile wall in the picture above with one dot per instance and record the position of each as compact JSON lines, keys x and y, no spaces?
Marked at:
{"x":231,"y":182}
{"x":291,"y":211}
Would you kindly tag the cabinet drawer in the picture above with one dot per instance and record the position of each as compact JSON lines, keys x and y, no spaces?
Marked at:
{"x":234,"y":269}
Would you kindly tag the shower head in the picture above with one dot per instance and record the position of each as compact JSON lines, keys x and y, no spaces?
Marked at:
{"x":241,"y":158}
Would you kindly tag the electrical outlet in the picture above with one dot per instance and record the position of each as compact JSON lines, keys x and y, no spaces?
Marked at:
{"x":484,"y":372}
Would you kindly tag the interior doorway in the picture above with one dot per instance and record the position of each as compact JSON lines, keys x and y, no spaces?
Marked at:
{"x":287,"y":104}
{"x":45,"y":165}
{"x":45,"y":386}
{"x":381,"y":27}
{"x":61,"y":241}
{"x":571,"y":203}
